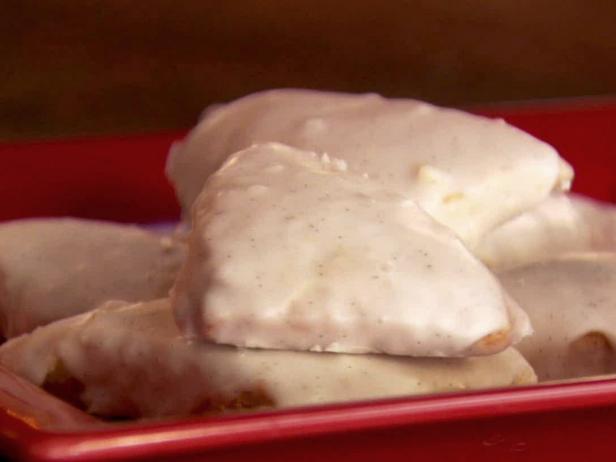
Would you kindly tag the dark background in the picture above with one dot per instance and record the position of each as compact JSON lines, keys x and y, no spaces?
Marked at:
{"x":74,"y":67}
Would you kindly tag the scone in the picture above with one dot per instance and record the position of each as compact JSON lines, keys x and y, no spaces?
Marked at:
{"x":561,"y":224}
{"x":289,"y":251}
{"x":571,"y":301}
{"x":126,"y":360}
{"x":55,"y":268}
{"x":468,"y":172}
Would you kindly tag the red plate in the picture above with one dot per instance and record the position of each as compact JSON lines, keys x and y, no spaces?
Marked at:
{"x":122,"y":179}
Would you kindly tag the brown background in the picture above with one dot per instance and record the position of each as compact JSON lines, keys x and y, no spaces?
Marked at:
{"x":74,"y":67}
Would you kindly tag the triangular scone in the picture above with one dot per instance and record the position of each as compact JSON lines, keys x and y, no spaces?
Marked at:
{"x":131,"y":361}
{"x":53,"y":268}
{"x":471,"y":173}
{"x":289,"y":251}
{"x":571,"y":301}
{"x":562,"y":223}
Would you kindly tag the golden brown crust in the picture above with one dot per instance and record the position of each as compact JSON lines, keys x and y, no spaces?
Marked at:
{"x":491,"y":343}
{"x":245,"y":400}
{"x":591,"y":354}
{"x":60,"y":383}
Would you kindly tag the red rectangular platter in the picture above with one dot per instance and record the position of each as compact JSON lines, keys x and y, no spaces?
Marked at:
{"x":122,"y":179}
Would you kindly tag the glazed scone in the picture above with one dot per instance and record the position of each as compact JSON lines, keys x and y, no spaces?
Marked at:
{"x":471,"y":173}
{"x":55,"y":268}
{"x":563,"y":223}
{"x":571,"y":301}
{"x":289,"y":251}
{"x":121,"y":359}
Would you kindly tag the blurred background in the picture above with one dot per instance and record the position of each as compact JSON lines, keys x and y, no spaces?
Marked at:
{"x":99,"y":67}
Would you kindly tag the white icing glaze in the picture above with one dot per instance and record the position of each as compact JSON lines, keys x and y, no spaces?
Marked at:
{"x":571,"y":301}
{"x":128,"y":357}
{"x":55,"y":268}
{"x":288,"y":251}
{"x":470,"y":173}
{"x":562,"y":223}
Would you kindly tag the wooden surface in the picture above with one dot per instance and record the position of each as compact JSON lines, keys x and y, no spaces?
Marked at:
{"x":92,"y":66}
